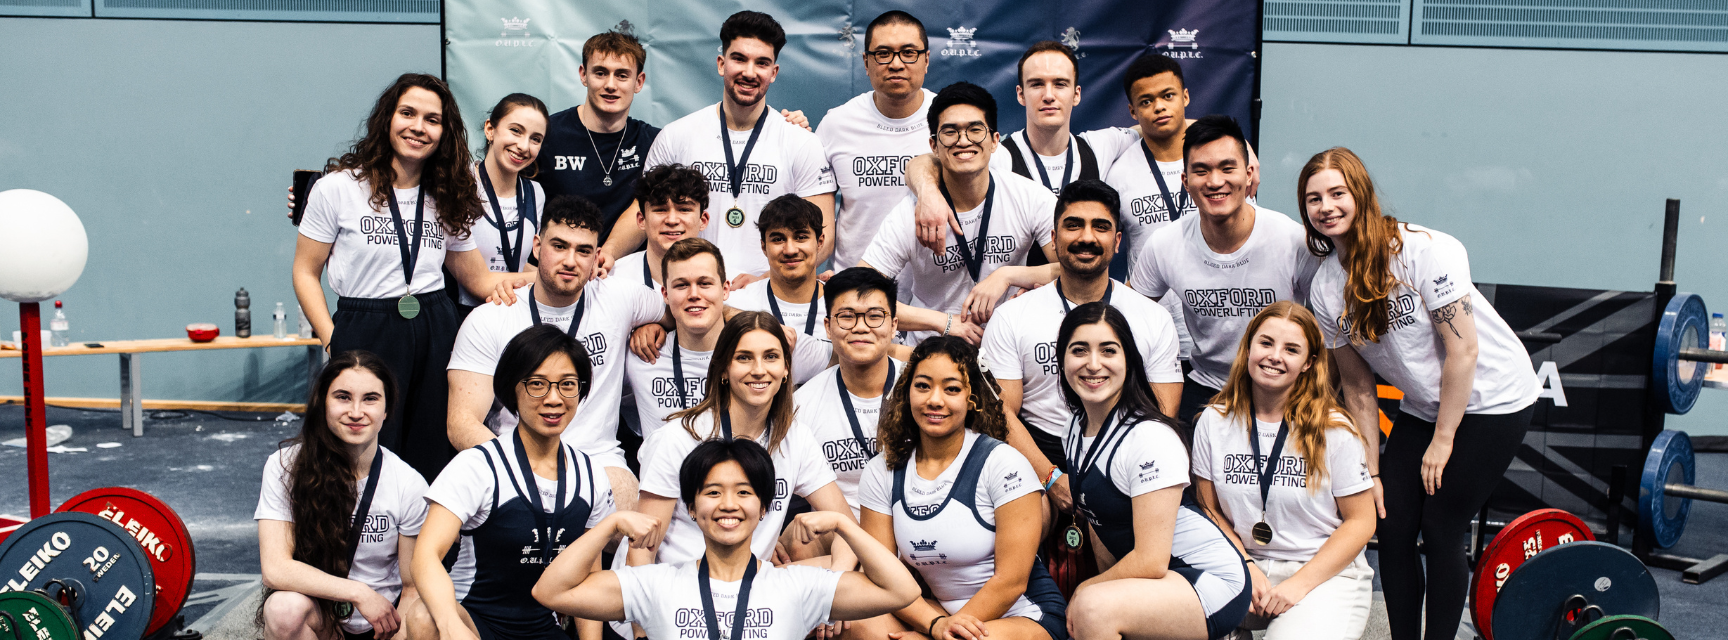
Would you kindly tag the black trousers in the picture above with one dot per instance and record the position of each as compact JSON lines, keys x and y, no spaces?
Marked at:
{"x":417,"y":352}
{"x":1482,"y":449}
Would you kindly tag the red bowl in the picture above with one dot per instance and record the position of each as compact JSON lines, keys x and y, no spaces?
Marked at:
{"x":202,"y":331}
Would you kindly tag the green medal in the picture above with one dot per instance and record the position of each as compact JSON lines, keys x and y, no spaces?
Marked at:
{"x":408,"y":306}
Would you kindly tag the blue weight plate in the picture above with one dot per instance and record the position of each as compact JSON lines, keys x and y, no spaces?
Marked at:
{"x":1660,"y":518}
{"x":1684,"y":325}
{"x":105,"y":565}
{"x":1531,"y":603}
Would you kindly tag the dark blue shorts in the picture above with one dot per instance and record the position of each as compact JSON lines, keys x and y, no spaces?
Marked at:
{"x":1042,"y":591}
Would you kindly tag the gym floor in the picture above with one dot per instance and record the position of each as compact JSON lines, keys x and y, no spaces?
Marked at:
{"x":208,"y":466}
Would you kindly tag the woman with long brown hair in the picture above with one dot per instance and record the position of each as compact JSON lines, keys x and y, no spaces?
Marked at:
{"x":749,"y":396}
{"x":396,"y":211}
{"x":1280,"y":467}
{"x":1397,"y":300}
{"x":1168,"y":572}
{"x":338,"y":513}
{"x":964,"y":510}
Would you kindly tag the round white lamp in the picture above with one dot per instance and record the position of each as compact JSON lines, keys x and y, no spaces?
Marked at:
{"x":42,"y":252}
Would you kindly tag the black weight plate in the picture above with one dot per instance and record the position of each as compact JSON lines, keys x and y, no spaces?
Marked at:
{"x":1661,"y":518}
{"x":98,"y":557}
{"x":1684,"y":325}
{"x":1530,"y":603}
{"x":38,"y":617}
{"x":1623,"y":628}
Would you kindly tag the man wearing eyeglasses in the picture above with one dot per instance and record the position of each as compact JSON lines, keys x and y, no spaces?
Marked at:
{"x":598,"y":313}
{"x":869,"y":139}
{"x":1002,"y":217}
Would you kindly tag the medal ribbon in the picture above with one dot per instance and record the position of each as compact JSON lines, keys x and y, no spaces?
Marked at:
{"x":524,"y":208}
{"x":410,"y":257}
{"x":1108,"y":289}
{"x":1067,"y":169}
{"x":1264,"y":471}
{"x":733,"y":169}
{"x":534,"y":310}
{"x":712,"y":618}
{"x":852,"y":414}
{"x":974,"y":260}
{"x":1157,"y":174}
{"x":809,"y":318}
{"x":540,"y":515}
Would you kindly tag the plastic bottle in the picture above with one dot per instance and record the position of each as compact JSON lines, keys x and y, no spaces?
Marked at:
{"x":281,"y":318}
{"x":242,"y":314}
{"x":305,"y":325}
{"x":1718,"y":342}
{"x":62,"y":329}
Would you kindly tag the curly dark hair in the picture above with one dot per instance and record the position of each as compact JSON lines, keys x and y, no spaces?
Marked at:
{"x":446,"y":174}
{"x":897,"y":433}
{"x":321,"y":488}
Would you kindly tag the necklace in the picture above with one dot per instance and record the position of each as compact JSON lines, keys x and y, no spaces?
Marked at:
{"x":607,"y":179}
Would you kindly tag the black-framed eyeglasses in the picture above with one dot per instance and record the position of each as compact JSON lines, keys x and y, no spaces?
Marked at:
{"x":873,"y":318}
{"x":538,"y":388}
{"x":885,"y":56}
{"x":950,"y":135}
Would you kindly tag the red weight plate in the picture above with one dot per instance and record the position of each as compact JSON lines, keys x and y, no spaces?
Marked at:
{"x":1526,"y":536}
{"x":159,"y":532}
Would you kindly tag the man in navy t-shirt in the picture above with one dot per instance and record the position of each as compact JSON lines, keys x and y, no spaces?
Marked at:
{"x":595,"y":149}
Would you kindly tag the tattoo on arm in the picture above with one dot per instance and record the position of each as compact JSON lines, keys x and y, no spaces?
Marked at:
{"x":1449,"y":312}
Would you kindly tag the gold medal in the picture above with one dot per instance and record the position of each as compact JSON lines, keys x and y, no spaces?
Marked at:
{"x":408,"y":306}
{"x":1262,"y":532}
{"x":735,"y":217}
{"x":1073,"y":537}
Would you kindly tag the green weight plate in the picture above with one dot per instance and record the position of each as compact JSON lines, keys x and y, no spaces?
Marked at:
{"x":1623,"y":628}
{"x":37,"y":617}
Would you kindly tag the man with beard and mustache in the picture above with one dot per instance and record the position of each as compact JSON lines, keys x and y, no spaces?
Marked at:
{"x":1020,"y":342}
{"x":749,"y":153}
{"x":598,"y":313}
{"x":1224,"y":264}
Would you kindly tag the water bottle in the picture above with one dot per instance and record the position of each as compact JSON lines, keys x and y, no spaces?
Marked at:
{"x":63,"y":330}
{"x":1718,"y":342}
{"x":281,"y":318}
{"x":242,"y":314}
{"x":305,"y":325}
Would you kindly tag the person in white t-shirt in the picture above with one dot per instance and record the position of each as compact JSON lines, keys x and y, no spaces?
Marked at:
{"x":791,"y":230}
{"x":504,"y":235}
{"x":961,"y":507}
{"x":1167,"y":571}
{"x":671,"y":205}
{"x":1279,"y":466}
{"x":1224,"y":264}
{"x":1020,"y":341}
{"x":1397,"y":300}
{"x":599,"y":313}
{"x":725,"y":484}
{"x":325,"y":578}
{"x":748,"y":151}
{"x":1003,"y":218}
{"x":695,"y":292}
{"x":397,"y":211}
{"x":870,"y":138}
{"x":749,"y":396}
{"x":508,"y":506}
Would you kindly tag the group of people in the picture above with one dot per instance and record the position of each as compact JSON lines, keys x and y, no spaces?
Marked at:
{"x":1050,"y":385}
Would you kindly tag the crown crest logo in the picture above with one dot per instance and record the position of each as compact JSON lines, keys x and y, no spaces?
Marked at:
{"x":924,"y":545}
{"x":961,"y":33}
{"x":1184,"y":38}
{"x":517,"y":25}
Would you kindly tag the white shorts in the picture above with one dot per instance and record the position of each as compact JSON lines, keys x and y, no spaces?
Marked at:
{"x":1337,"y":609}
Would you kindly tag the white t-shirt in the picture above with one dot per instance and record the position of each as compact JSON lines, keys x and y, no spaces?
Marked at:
{"x":1107,"y":145}
{"x":1144,"y":209}
{"x":398,"y":509}
{"x":964,"y":552}
{"x":656,"y":385}
{"x":365,"y":261}
{"x":466,"y":487}
{"x":1301,"y":519}
{"x":821,"y":414}
{"x":1221,"y":293}
{"x":1020,"y":344}
{"x":1408,"y":355}
{"x":869,"y":153}
{"x":1021,"y":219}
{"x":484,"y":234}
{"x":634,"y":268}
{"x":786,"y":159}
{"x":611,"y":310}
{"x":785,"y":602}
{"x":799,"y":469}
{"x":1151,"y":457}
{"x":813,"y":351}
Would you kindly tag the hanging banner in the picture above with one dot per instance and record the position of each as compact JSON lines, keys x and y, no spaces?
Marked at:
{"x":496,"y":47}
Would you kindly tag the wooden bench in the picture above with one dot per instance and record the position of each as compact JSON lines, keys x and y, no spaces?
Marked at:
{"x":131,"y":376}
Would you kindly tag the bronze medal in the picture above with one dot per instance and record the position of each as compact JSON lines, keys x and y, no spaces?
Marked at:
{"x":1073,"y":537}
{"x":408,"y":306}
{"x":735,"y":217}
{"x":1263,"y":532}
